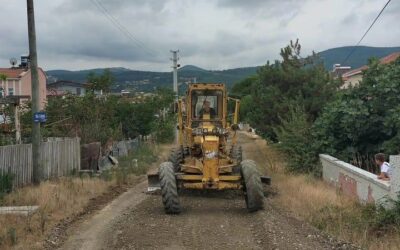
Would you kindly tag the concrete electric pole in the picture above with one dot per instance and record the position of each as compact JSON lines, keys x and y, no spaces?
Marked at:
{"x":175,"y":67}
{"x":35,"y":92}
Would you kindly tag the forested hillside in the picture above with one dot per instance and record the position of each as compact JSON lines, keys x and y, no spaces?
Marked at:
{"x":148,"y":80}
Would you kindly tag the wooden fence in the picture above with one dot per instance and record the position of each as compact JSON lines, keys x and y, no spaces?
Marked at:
{"x":17,"y":161}
{"x":58,"y":158}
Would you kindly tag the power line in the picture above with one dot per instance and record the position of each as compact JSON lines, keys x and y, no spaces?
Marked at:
{"x":366,"y":32}
{"x":122,"y":28}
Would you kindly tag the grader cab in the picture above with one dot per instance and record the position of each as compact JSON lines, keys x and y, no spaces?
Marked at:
{"x":207,"y":155}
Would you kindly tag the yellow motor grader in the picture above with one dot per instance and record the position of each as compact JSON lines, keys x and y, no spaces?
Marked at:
{"x":207,"y":155}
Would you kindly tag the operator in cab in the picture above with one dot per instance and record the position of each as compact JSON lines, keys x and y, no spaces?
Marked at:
{"x":206,"y":109}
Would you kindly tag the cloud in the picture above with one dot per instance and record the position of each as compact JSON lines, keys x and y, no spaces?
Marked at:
{"x":76,"y":34}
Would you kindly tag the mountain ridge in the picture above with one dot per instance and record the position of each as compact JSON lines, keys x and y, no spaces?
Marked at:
{"x":148,"y":80}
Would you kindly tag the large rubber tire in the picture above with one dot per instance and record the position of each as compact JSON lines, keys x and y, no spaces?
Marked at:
{"x":252,"y":186}
{"x":169,"y":190}
{"x":236,"y":153}
{"x":176,"y":157}
{"x":186,"y":151}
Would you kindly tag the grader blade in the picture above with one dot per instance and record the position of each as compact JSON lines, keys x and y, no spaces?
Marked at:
{"x":153,"y":182}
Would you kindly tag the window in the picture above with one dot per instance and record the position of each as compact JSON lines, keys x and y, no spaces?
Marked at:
{"x":206,"y":102}
{"x":78,"y":91}
{"x":10,"y":91}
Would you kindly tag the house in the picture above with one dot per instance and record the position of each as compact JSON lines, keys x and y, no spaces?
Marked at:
{"x":60,"y":88}
{"x":338,"y":70}
{"x":355,"y":76}
{"x":18,"y":83}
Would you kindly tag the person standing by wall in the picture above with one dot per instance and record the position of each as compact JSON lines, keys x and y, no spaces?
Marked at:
{"x":385,"y":168}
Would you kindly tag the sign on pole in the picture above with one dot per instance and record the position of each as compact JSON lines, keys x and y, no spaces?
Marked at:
{"x":39,"y":117}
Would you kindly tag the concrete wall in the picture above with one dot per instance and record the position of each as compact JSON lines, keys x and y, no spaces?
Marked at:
{"x":361,"y":184}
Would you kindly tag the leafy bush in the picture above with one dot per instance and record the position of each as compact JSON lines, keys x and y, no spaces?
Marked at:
{"x":95,"y":118}
{"x":295,"y":140}
{"x":164,"y":129}
{"x":136,"y":162}
{"x":388,"y":218}
{"x":365,"y":119}
{"x":6,"y":183}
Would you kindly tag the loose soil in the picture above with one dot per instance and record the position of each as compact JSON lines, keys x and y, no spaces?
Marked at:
{"x":209,"y":220}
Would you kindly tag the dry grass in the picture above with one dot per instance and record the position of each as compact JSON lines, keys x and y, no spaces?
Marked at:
{"x":63,"y":199}
{"x":57,"y":200}
{"x":324,"y":207}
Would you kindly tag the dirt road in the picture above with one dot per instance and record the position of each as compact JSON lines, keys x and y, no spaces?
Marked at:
{"x":209,"y":221}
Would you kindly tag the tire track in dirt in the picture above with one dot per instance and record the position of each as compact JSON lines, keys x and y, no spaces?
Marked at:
{"x":210,"y":220}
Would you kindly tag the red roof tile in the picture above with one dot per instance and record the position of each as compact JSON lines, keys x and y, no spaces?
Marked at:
{"x":384,"y":60}
{"x":390,"y":58}
{"x":12,"y":73}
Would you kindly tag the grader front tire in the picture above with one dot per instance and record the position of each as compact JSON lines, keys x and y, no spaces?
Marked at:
{"x":252,"y":186}
{"x":169,"y":190}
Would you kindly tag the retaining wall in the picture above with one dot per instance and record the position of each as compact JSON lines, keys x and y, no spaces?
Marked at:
{"x":361,"y":184}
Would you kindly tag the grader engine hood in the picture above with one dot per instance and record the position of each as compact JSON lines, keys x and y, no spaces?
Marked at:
{"x":210,"y":161}
{"x":210,"y":147}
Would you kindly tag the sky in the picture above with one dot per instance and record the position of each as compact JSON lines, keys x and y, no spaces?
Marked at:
{"x":212,"y":34}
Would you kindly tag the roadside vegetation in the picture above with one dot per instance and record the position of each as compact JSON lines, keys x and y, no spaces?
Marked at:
{"x":94,"y":118}
{"x":301,"y":111}
{"x":311,"y":199}
{"x":67,"y":198}
{"x":296,"y":103}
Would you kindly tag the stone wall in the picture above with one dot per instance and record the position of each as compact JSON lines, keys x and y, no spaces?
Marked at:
{"x":361,"y":184}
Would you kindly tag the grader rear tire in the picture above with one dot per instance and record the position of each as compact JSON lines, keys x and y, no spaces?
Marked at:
{"x":252,"y":186}
{"x":169,"y":190}
{"x":236,"y":153}
{"x":176,"y":157}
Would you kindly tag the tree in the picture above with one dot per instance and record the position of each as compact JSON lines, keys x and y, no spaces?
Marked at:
{"x":2,"y":78}
{"x":293,"y":82}
{"x":363,"y":120}
{"x":101,"y":82}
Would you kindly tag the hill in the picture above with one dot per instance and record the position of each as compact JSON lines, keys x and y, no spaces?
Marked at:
{"x":358,"y":58}
{"x":148,"y":80}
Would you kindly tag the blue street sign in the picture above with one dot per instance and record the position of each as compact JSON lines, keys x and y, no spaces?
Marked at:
{"x":39,"y":117}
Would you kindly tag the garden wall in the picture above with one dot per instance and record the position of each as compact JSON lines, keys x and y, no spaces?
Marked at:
{"x":358,"y":183}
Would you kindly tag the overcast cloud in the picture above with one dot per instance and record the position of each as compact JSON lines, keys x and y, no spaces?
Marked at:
{"x":213,"y":34}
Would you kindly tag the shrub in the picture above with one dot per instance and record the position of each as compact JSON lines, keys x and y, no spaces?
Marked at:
{"x":388,"y":218}
{"x":6,"y":183}
{"x":136,"y":162}
{"x":296,"y":142}
{"x":164,"y":130}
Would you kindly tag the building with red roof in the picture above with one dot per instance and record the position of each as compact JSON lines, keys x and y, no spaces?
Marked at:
{"x":18,"y":83}
{"x":355,"y":76}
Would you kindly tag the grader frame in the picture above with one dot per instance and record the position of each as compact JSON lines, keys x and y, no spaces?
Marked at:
{"x":207,"y":156}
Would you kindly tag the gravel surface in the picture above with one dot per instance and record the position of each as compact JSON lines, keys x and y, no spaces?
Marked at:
{"x":209,"y":220}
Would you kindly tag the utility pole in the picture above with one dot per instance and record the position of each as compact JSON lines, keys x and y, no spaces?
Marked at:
{"x":37,"y":171}
{"x":17,"y":124}
{"x":175,"y":67}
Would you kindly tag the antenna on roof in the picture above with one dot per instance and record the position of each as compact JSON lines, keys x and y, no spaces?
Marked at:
{"x":13,"y":62}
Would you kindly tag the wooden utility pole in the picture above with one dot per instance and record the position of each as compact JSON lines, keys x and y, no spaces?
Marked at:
{"x":17,"y":125}
{"x":35,"y":93}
